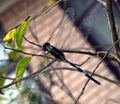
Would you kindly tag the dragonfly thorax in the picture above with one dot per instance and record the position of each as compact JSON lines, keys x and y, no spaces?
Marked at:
{"x":53,"y":51}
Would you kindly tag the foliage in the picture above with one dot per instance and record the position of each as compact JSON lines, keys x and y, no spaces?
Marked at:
{"x":2,"y":70}
{"x":20,"y":68}
{"x":49,"y":5}
{"x":35,"y":98}
{"x":13,"y":55}
{"x":16,"y":36}
{"x":10,"y":37}
{"x":13,"y":41}
{"x":21,"y":32}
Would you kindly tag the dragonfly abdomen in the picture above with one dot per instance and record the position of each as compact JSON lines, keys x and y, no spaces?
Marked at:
{"x":84,"y":72}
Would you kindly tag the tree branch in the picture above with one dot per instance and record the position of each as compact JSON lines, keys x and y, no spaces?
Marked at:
{"x":27,"y":77}
{"x":82,"y":92}
{"x":112,"y":24}
{"x":113,"y":29}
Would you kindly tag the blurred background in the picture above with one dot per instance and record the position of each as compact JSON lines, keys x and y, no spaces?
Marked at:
{"x":78,"y":25}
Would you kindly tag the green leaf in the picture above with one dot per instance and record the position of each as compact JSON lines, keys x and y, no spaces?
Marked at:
{"x":2,"y":73}
{"x":2,"y":80}
{"x":49,"y":5}
{"x":13,"y":55}
{"x":25,"y":91}
{"x":21,"y":32}
{"x":20,"y":68}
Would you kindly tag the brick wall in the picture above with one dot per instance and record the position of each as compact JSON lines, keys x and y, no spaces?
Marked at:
{"x":67,"y":84}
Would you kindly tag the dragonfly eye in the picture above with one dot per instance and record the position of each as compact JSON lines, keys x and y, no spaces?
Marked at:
{"x":45,"y":46}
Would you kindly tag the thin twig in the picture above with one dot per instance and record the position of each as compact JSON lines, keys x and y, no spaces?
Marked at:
{"x":50,"y":7}
{"x":32,"y":42}
{"x":95,"y":54}
{"x":97,"y":75}
{"x":98,"y":54}
{"x":61,"y":21}
{"x":82,"y":92}
{"x":29,"y":76}
{"x":9,"y":78}
{"x":17,"y":50}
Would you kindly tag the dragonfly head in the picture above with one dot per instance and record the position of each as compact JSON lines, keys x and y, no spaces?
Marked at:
{"x":45,"y":46}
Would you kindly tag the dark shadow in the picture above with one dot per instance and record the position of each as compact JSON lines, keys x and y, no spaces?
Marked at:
{"x":93,"y":41}
{"x":2,"y":31}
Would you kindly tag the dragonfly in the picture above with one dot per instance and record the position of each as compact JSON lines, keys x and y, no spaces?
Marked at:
{"x":59,"y":55}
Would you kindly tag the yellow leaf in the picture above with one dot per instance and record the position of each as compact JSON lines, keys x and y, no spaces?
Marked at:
{"x":9,"y":38}
{"x":49,"y":5}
